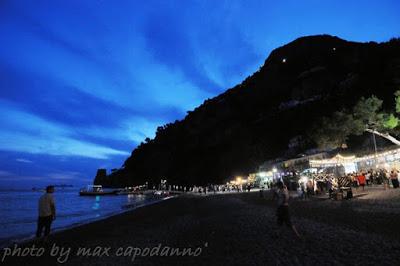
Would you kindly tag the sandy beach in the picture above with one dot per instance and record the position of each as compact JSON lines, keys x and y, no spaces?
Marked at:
{"x":236,"y":229}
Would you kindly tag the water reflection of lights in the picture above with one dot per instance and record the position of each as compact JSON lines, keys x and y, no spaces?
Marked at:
{"x":135,"y":196}
{"x":96,"y":204}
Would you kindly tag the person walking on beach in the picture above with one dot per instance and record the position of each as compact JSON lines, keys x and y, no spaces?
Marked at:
{"x":361,"y":180}
{"x":282,"y":211}
{"x":310,"y":188}
{"x":47,"y":212}
{"x":303,"y":191}
{"x":368,"y":177}
{"x":329,"y":187}
{"x":394,"y":179}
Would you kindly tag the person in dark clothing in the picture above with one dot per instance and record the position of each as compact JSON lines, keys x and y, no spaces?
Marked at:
{"x":394,"y":179}
{"x":282,"y":211}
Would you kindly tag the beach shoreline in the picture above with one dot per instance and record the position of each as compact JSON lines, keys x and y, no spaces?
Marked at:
{"x":26,"y":239}
{"x":236,"y":229}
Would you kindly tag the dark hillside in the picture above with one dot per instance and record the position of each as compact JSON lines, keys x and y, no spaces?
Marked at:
{"x":268,"y":115}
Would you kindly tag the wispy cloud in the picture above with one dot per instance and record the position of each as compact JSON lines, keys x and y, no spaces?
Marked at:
{"x":134,"y":129}
{"x":66,"y":175}
{"x":5,"y":173}
{"x":22,"y":160}
{"x":38,"y":136}
{"x":10,"y":176}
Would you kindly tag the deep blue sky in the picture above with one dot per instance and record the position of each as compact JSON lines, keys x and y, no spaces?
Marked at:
{"x":83,"y":82}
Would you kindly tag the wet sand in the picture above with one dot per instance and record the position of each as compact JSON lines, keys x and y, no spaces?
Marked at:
{"x":239,"y":229}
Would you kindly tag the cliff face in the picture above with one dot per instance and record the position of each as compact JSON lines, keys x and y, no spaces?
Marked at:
{"x":268,"y":115}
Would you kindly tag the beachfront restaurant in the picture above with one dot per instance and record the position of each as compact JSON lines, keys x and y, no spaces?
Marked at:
{"x":262,"y":179}
{"x":271,"y":171}
{"x":349,"y":163}
{"x":387,"y":160}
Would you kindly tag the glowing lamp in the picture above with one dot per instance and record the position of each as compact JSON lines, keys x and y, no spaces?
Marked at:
{"x":262,"y":174}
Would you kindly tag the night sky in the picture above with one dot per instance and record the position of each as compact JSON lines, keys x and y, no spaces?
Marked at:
{"x":84,"y":82}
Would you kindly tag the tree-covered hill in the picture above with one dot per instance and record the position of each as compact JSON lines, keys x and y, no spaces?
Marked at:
{"x":270,"y":114}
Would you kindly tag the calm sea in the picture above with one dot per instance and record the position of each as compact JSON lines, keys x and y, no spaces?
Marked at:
{"x":19,"y":210}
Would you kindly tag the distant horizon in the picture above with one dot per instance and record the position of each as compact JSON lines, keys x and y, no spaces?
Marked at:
{"x":84,"y":83}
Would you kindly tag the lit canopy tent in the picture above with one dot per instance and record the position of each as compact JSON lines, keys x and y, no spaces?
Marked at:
{"x":385,"y":159}
{"x":348,"y":162}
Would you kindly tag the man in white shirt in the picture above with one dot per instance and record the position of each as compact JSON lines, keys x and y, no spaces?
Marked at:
{"x":47,"y":212}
